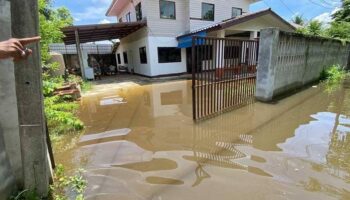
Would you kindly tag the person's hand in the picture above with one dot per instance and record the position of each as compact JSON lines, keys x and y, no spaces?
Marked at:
{"x":15,"y":48}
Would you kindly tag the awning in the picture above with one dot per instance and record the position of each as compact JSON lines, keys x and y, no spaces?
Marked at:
{"x":98,"y":32}
{"x":186,"y":41}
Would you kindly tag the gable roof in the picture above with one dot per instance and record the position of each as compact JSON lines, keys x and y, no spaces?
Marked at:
{"x":238,"y":20}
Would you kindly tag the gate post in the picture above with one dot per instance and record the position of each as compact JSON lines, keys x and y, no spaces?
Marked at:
{"x":25,"y":23}
{"x":269,"y":39}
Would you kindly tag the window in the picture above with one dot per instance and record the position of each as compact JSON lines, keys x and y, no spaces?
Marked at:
{"x":236,"y":12}
{"x":208,"y":11}
{"x":125,"y":56}
{"x":118,"y":59}
{"x":138,"y":10}
{"x":232,"y":52}
{"x":206,"y":52}
{"x":169,"y":54}
{"x":167,"y":9}
{"x":120,"y":20}
{"x":143,"y":55}
{"x":128,"y":17}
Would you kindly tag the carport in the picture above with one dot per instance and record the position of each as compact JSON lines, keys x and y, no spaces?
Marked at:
{"x":98,"y":32}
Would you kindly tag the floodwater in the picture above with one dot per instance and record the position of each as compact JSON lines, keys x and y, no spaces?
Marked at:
{"x":141,"y":143}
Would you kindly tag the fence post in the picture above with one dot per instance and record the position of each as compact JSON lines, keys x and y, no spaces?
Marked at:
{"x":25,"y":23}
{"x":268,"y":44}
{"x":348,"y":65}
{"x":8,"y":103}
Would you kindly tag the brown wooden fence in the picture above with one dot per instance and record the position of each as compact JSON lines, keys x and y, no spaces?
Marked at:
{"x":223,"y":74}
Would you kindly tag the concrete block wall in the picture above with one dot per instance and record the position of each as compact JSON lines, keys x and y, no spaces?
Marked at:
{"x":288,"y":61}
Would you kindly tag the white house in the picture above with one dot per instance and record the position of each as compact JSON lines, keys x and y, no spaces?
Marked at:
{"x":162,"y":46}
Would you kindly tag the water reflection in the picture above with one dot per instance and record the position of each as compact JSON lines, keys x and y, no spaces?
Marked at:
{"x":149,"y":147}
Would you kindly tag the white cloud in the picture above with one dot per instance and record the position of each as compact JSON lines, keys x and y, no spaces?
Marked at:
{"x":104,"y":21}
{"x":94,"y":12}
{"x":326,"y":17}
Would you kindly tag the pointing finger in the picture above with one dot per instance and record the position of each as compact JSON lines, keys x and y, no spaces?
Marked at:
{"x":25,"y":41}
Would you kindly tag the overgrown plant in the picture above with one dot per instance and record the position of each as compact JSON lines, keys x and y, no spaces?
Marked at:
{"x":64,"y":188}
{"x":333,"y":74}
{"x":61,"y":115}
{"x":61,"y":112}
{"x":74,"y":185}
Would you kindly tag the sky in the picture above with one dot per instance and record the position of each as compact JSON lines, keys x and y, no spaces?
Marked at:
{"x":93,"y":11}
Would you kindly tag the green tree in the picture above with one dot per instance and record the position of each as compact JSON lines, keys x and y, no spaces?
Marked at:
{"x":51,"y":21}
{"x":344,"y":13}
{"x":314,"y":28}
{"x":60,"y":111}
{"x":298,"y":19}
{"x":339,"y":30}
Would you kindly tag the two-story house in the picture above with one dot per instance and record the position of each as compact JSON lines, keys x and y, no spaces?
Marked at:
{"x":162,"y":47}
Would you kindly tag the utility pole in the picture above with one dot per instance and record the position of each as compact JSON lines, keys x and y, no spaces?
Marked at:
{"x":28,"y":75}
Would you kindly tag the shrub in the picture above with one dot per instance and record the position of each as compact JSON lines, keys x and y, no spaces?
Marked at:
{"x":61,"y":115}
{"x":333,"y":74}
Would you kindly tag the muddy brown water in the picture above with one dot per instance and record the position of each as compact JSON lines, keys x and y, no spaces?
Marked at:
{"x":141,"y":143}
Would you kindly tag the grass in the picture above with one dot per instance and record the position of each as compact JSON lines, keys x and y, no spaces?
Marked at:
{"x":333,"y":77}
{"x":64,"y":187}
{"x":86,"y":86}
{"x":334,"y":74}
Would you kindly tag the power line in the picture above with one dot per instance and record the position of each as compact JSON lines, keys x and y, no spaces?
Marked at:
{"x":320,"y":4}
{"x":266,"y":4}
{"x":287,"y":7}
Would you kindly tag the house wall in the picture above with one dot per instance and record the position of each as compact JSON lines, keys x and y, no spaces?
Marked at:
{"x":288,"y":61}
{"x":167,"y":27}
{"x":188,"y":14}
{"x":223,"y":11}
{"x":130,"y":7}
{"x":131,"y":44}
{"x":165,"y":68}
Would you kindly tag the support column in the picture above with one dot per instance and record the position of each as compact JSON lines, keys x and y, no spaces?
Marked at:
{"x":267,"y":62}
{"x":25,"y":23}
{"x":253,"y":35}
{"x":80,"y":55}
{"x":219,"y":52}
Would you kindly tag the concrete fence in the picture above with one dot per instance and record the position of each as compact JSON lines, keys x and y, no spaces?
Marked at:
{"x":288,"y":61}
{"x":24,"y":162}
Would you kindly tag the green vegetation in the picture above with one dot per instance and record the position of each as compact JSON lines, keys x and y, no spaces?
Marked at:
{"x":60,"y":111}
{"x":63,"y":184}
{"x":334,"y":74}
{"x":74,"y":185}
{"x":298,"y":19}
{"x":339,"y":28}
{"x":61,"y":115}
{"x":312,"y":28}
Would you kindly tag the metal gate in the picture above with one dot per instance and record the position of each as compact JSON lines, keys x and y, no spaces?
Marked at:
{"x":223,"y":74}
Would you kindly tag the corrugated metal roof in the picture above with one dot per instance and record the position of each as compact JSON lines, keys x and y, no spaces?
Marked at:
{"x":98,"y":32}
{"x":89,"y":48}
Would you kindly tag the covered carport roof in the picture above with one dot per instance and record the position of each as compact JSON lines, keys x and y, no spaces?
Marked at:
{"x":98,"y":32}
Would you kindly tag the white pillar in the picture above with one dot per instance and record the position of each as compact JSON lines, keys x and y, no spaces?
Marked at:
{"x":253,"y":35}
{"x":219,"y":50}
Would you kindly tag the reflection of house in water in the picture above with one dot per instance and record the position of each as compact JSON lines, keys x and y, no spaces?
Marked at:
{"x":170,"y":98}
